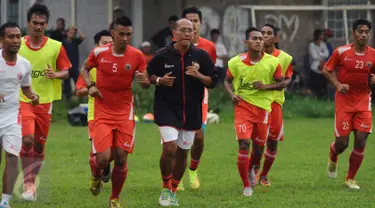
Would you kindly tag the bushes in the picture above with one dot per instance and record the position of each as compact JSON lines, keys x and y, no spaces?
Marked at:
{"x":295,"y":105}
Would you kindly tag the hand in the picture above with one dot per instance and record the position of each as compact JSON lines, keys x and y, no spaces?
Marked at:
{"x":94,"y":92}
{"x":140,"y":77}
{"x":49,"y":73}
{"x":343,"y":88}
{"x":193,"y":70}
{"x":259,"y":85}
{"x":167,"y":80}
{"x":236,"y":99}
{"x":2,"y":98}
{"x":372,"y":79}
{"x":35,"y":99}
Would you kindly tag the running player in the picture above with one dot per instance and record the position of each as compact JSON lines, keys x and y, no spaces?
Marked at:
{"x":276,"y":130}
{"x":178,"y":102}
{"x":253,"y":74}
{"x":353,"y":63}
{"x":114,"y":125}
{"x":101,"y":38}
{"x":15,"y":74}
{"x":50,"y":64}
{"x":195,"y":16}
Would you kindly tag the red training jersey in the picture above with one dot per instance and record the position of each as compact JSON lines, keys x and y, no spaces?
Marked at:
{"x":115,"y":73}
{"x":208,"y":46}
{"x":353,"y":69}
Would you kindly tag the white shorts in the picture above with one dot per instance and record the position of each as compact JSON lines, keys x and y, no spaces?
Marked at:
{"x":11,"y":139}
{"x":183,"y":138}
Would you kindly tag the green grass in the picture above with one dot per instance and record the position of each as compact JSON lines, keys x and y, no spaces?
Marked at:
{"x":298,"y":177}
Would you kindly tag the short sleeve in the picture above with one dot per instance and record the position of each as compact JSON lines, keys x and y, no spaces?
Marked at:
{"x":232,"y":67}
{"x":213,"y":54}
{"x":278,"y":74}
{"x":80,"y":83}
{"x":91,"y":60}
{"x":333,"y":61}
{"x":141,"y":62}
{"x":289,"y":72}
{"x":63,"y":62}
{"x":26,"y":79}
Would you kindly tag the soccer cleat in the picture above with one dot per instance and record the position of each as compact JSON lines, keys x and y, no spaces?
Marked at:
{"x":165,"y":198}
{"x":5,"y":205}
{"x":248,"y":191}
{"x":96,"y":186}
{"x":29,"y":193}
{"x":173,"y":199}
{"x":263,"y":180}
{"x":107,"y":174}
{"x":194,"y":181}
{"x":181,"y":187}
{"x":332,"y":169}
{"x":114,"y":203}
{"x":252,"y":177}
{"x":352,"y":184}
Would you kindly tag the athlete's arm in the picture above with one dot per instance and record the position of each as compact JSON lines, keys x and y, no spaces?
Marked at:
{"x":62,"y":64}
{"x":328,"y":70}
{"x":81,"y":89}
{"x":277,"y":76}
{"x":228,"y":87}
{"x":205,"y":70}
{"x":141,"y":73}
{"x":28,"y":92}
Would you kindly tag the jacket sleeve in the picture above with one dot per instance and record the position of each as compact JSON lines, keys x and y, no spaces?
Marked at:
{"x":153,"y":65}
{"x":207,"y":68}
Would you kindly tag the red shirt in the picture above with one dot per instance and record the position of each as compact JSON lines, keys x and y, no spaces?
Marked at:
{"x":208,"y":46}
{"x":62,"y":62}
{"x":289,"y":70}
{"x":353,"y":69}
{"x":114,"y":80}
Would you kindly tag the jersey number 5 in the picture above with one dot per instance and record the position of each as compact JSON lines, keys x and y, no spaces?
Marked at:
{"x":114,"y":67}
{"x":359,"y":64}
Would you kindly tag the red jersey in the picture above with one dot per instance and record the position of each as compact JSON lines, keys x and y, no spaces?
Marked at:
{"x":208,"y":46}
{"x":353,"y":69}
{"x":114,"y":80}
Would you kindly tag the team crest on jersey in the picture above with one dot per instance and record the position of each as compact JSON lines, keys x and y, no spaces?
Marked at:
{"x":128,"y":67}
{"x":368,"y":64}
{"x":19,"y":76}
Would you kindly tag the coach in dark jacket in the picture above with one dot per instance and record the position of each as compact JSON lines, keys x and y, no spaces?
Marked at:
{"x":180,"y":72}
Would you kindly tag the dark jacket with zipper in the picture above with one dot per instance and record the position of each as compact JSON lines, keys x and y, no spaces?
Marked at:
{"x":180,"y":106}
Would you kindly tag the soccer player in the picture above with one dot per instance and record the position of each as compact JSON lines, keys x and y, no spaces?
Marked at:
{"x":114,"y":125}
{"x":255,"y":75}
{"x":195,"y":16}
{"x":276,"y":130}
{"x":178,"y":102}
{"x":50,"y":64}
{"x":353,"y":63}
{"x":15,"y":74}
{"x":101,"y":38}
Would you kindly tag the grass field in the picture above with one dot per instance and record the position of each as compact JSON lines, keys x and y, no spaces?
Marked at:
{"x":299,"y":177}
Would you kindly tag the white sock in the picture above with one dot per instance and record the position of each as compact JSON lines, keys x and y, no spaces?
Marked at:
{"x":5,"y":198}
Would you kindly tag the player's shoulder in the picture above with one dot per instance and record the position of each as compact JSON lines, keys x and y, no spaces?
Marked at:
{"x":344,"y":49}
{"x":50,"y":40}
{"x":269,"y":57}
{"x":371,"y":50}
{"x":134,"y":50}
{"x":23,"y":61}
{"x":238,"y":58}
{"x":285,"y":53}
{"x":101,"y":49}
{"x":207,"y":42}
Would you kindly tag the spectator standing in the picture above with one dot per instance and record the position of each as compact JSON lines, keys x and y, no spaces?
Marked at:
{"x":146,"y":50}
{"x":71,"y":44}
{"x":221,"y":55}
{"x":164,"y":36}
{"x":59,"y":33}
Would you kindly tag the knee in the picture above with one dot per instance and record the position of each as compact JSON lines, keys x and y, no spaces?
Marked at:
{"x":272,"y":145}
{"x":102,"y":162}
{"x":28,"y":141}
{"x":341,"y":146}
{"x":169,"y":149}
{"x":244,"y":145}
{"x":360,"y":143}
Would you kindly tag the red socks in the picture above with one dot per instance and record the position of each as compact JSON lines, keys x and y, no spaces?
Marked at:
{"x":332,"y":153}
{"x":269,"y":158}
{"x":194,"y":164}
{"x":355,"y":161}
{"x":167,"y":182}
{"x":95,"y":170}
{"x":118,"y":179}
{"x":243,"y":166}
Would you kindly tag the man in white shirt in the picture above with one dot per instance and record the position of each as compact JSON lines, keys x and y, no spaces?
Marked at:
{"x":15,"y":74}
{"x":222,"y":55}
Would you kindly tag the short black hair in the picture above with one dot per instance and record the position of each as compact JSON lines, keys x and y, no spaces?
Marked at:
{"x":172,"y":18}
{"x":318,"y":33}
{"x":8,"y":25}
{"x":123,"y":20}
{"x":192,"y":10}
{"x":60,"y":19}
{"x":249,"y":30}
{"x":38,"y":9}
{"x":361,"y":22}
{"x":275,"y":29}
{"x":100,"y":34}
{"x":215,"y":31}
